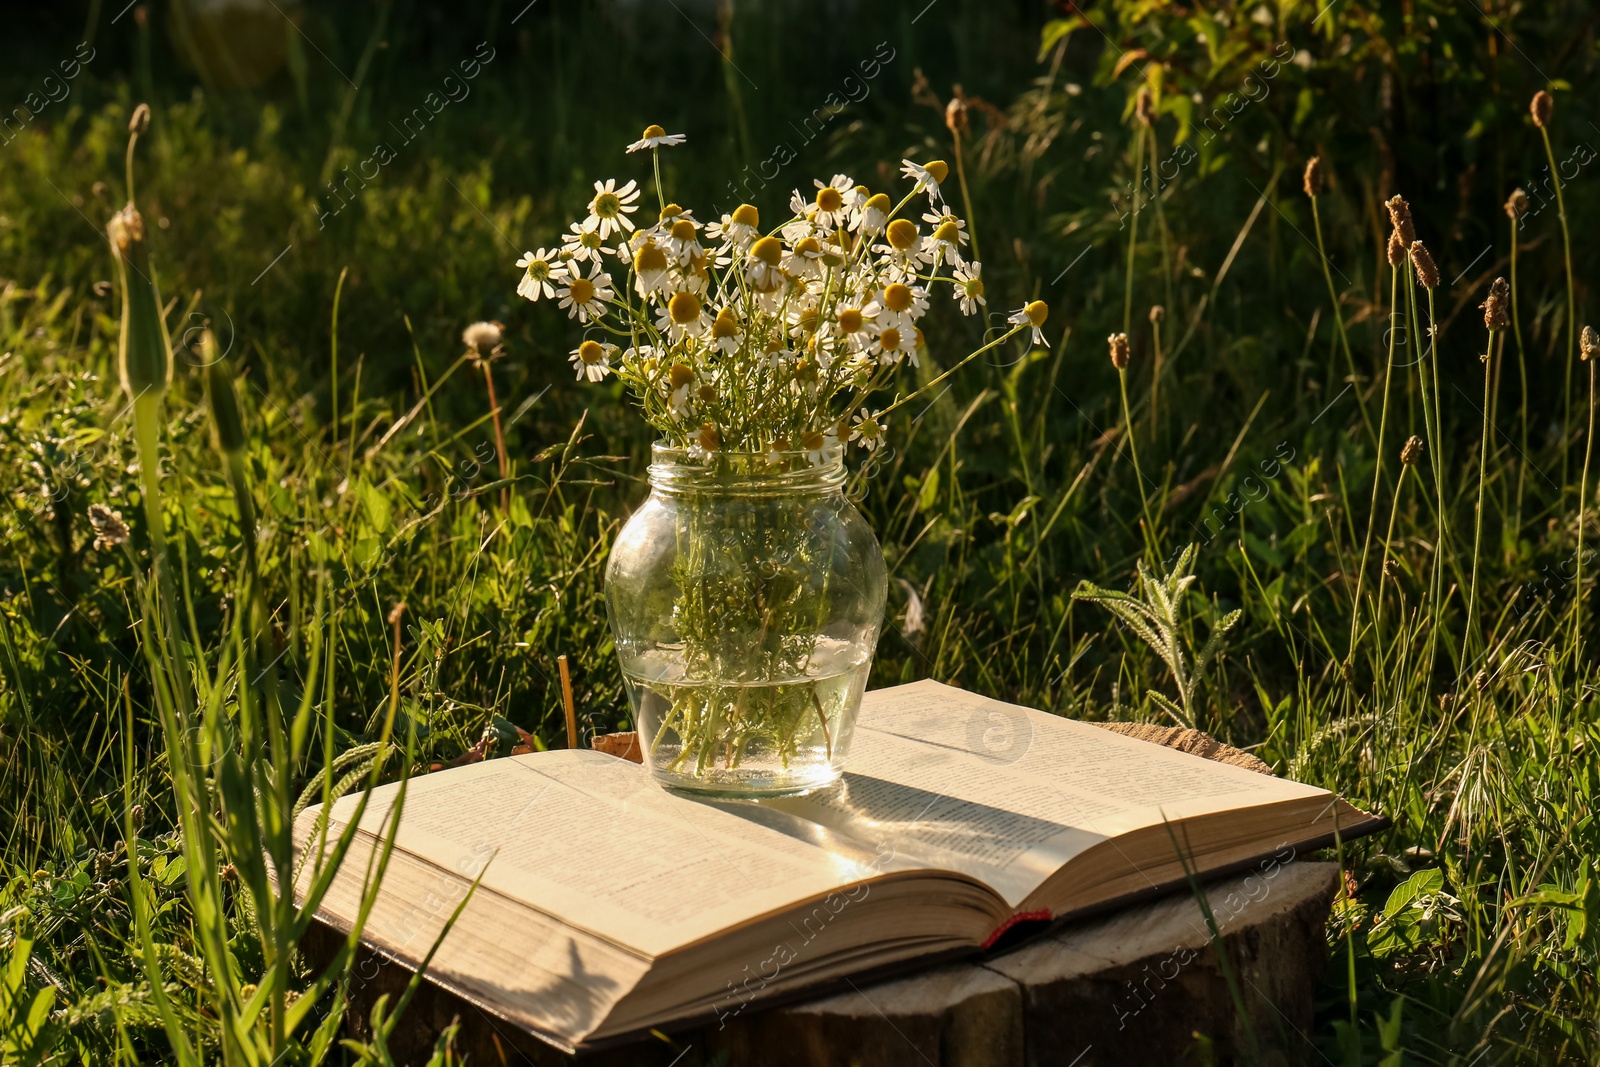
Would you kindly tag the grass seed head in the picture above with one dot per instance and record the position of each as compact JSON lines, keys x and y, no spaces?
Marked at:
{"x":109,"y":529}
{"x":1495,"y":314}
{"x":955,"y":116}
{"x":1397,"y":248}
{"x":1157,"y":313}
{"x":1313,"y":177}
{"x":139,"y":121}
{"x":1118,"y":343}
{"x":143,"y":352}
{"x":1517,"y":204}
{"x":1427,"y":271}
{"x":1589,"y":343}
{"x":1400,"y":215}
{"x":1144,"y":107}
{"x":1543,"y":103}
{"x":1412,"y":451}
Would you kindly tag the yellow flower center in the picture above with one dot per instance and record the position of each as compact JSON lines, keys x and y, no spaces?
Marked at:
{"x":683,"y":230}
{"x":768,"y":250}
{"x":806,"y":370}
{"x":710,"y":439}
{"x":539,"y":270}
{"x":897,"y":297}
{"x":589,"y":239}
{"x":683,"y":308}
{"x":850,"y":320}
{"x":938,"y":170}
{"x":829,"y":199}
{"x":889,"y":339}
{"x":948,"y":232}
{"x":973,"y":286}
{"x":879,"y":202}
{"x":653,"y":130}
{"x":780,"y":444}
{"x":581,"y":290}
{"x":679,"y":375}
{"x":747,"y":215}
{"x":868,"y":428}
{"x":649,"y":259}
{"x":591,"y":353}
{"x":707,"y":394}
{"x":606,"y":206}
{"x":903,"y":234}
{"x":813,"y":440}
{"x":808,"y":246}
{"x":669,"y":211}
{"x":808,"y":320}
{"x":917,"y":340}
{"x":726,"y":325}
{"x":1037,"y":312}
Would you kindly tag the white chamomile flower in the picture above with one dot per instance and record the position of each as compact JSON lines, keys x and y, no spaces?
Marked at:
{"x":763,"y":265}
{"x":899,"y":304}
{"x":681,"y":240}
{"x":655,"y":137}
{"x":804,"y":259}
{"x":1032,"y":314}
{"x":855,"y":196}
{"x":584,"y":243}
{"x":814,"y":443}
{"x":867,"y":430}
{"x":682,"y":316}
{"x":802,"y":208}
{"x":610,"y":208}
{"x":726,"y":333}
{"x":902,"y":255}
{"x":969,"y":287}
{"x":738,"y":229}
{"x":872,"y":215}
{"x":830,"y":208}
{"x":928,"y":176}
{"x":651,"y":273}
{"x":592,"y":360}
{"x":542,"y":272}
{"x":585,"y":298}
{"x":895,"y":343}
{"x":944,"y":243}
{"x":680,"y":379}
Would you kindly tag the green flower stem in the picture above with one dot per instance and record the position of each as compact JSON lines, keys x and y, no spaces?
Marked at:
{"x":1522,"y":369}
{"x":1583,"y":489}
{"x":1338,"y":318}
{"x":1473,"y":625}
{"x":1572,"y":303}
{"x":1377,"y":474}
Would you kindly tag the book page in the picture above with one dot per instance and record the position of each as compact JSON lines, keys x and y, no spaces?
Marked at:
{"x":592,"y":840}
{"x":1008,"y":795}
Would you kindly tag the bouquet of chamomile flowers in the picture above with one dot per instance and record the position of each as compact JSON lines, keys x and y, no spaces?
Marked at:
{"x":741,"y":339}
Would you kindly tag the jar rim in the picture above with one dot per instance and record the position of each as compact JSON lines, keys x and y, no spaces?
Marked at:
{"x":676,"y":467}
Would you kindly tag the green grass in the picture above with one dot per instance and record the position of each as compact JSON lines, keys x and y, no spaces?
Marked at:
{"x":369,"y":459}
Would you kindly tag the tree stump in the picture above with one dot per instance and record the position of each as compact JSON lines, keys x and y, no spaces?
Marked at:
{"x":1140,"y":985}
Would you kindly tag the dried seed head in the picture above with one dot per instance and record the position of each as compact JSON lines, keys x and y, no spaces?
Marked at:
{"x":1158,"y":313}
{"x":1427,"y":272}
{"x":1313,"y":179}
{"x":1390,"y":568}
{"x":1517,"y":204}
{"x":136,"y":815}
{"x":1412,"y":450}
{"x":1397,"y":248}
{"x":1495,"y":314}
{"x":1543,"y":104}
{"x":482,"y":339}
{"x":139,"y":121}
{"x":955,"y":115}
{"x":1589,"y":343}
{"x":1118,"y":343}
{"x":109,"y":529}
{"x":1400,"y":215}
{"x":1144,"y":107}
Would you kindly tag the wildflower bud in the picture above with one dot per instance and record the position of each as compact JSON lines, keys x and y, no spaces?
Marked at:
{"x":1589,"y":343}
{"x":1313,"y":178}
{"x":224,"y":404}
{"x":1543,"y":104}
{"x":710,"y":439}
{"x":139,"y":121}
{"x":1427,"y":272}
{"x":1391,"y":568}
{"x":955,"y":116}
{"x":1397,"y":248}
{"x":1412,"y":450}
{"x":1400,"y":215}
{"x":1517,"y":204}
{"x":144,"y":352}
{"x":1158,"y":313}
{"x":1118,"y":343}
{"x":1495,"y":316}
{"x":1144,"y":106}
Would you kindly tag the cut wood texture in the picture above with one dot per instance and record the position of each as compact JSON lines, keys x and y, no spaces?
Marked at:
{"x":1141,"y":985}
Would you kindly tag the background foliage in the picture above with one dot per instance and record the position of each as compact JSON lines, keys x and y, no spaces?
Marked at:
{"x":1464,"y":937}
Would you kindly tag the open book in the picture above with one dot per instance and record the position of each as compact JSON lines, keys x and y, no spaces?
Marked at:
{"x":608,"y":906}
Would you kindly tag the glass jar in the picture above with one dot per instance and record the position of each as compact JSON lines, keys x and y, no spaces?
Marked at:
{"x":746,"y":597}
